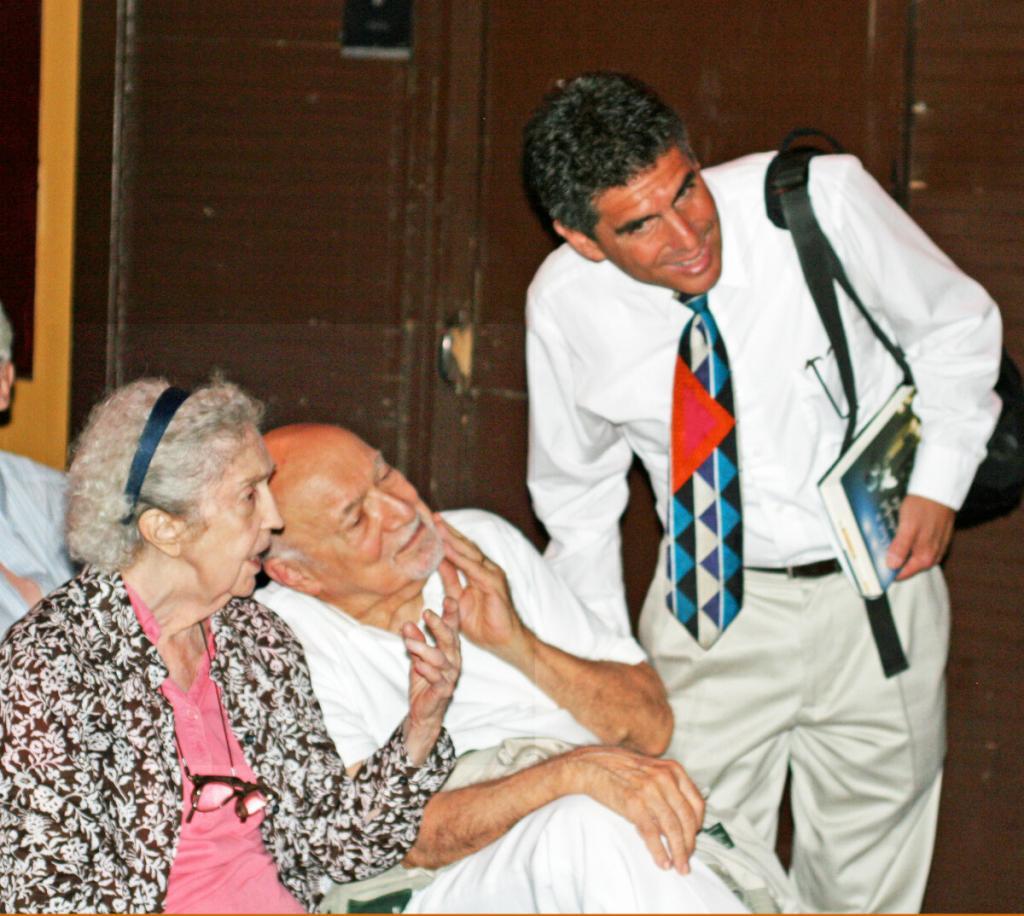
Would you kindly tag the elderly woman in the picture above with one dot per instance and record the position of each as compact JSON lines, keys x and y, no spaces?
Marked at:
{"x":160,"y":746}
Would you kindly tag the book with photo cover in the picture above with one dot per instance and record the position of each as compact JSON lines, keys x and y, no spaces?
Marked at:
{"x":863,"y":490}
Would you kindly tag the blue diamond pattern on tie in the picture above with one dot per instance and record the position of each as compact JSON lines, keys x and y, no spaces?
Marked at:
{"x":681,"y":518}
{"x":704,"y":561}
{"x":710,"y":518}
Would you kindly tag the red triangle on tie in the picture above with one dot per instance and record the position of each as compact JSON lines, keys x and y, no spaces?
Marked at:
{"x":699,"y":424}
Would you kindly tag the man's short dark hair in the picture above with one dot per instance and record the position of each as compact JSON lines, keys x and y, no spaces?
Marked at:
{"x":591,"y":133}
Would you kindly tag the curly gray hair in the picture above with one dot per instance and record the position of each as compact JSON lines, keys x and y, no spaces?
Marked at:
{"x":203,"y":438}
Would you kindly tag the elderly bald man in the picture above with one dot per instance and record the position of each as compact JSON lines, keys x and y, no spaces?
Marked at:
{"x":542,"y":682}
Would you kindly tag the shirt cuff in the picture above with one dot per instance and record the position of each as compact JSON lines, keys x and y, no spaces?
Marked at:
{"x":943,"y":474}
{"x":432,"y":773}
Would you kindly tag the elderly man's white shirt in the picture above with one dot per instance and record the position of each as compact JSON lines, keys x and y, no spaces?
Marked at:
{"x":361,"y":673}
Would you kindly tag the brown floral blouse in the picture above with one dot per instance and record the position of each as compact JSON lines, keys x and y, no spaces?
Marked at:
{"x":90,"y":791}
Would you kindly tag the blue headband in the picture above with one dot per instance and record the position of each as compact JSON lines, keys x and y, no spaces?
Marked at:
{"x":160,"y":417}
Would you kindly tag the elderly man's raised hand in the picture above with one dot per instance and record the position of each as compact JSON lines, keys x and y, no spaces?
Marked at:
{"x":433,"y":673}
{"x":655,"y":794}
{"x":488,"y":615}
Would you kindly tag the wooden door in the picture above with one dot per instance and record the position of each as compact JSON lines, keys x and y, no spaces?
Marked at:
{"x":253,"y":201}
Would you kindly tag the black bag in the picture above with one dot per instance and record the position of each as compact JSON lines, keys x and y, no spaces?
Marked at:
{"x":998,"y":485}
{"x":999,"y":482}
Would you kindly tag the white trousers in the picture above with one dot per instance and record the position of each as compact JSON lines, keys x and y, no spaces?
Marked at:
{"x":571,"y":856}
{"x":796,"y":682}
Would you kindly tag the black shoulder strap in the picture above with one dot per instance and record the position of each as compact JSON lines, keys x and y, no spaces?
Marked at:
{"x":789,"y":169}
{"x":788,"y":204}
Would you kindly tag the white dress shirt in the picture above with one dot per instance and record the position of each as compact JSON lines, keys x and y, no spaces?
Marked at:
{"x":31,"y":531}
{"x":361,"y":673}
{"x":601,"y":351}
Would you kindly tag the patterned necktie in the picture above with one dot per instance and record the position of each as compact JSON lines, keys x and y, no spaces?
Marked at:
{"x":705,"y":555}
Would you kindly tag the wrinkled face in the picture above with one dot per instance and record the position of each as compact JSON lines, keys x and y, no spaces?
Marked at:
{"x":236,"y":517}
{"x":661,"y":228}
{"x":361,"y":525}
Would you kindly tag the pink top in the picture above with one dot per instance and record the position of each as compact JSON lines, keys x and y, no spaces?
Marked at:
{"x":221,"y":864}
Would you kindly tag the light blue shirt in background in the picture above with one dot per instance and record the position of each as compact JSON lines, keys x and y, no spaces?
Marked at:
{"x":31,"y":531}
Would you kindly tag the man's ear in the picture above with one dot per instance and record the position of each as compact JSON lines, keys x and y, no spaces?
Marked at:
{"x":291,"y":575}
{"x":581,"y":242}
{"x":166,"y":532}
{"x":6,"y":383}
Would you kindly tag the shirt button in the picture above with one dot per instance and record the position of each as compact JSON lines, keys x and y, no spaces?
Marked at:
{"x":249,"y":738}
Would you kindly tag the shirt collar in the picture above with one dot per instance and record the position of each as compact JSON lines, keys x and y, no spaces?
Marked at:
{"x":734,"y":272}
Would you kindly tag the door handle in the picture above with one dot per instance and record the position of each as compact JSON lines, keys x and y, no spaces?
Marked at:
{"x":455,"y":356}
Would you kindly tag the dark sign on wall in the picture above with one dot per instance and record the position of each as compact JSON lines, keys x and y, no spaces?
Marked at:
{"x":377,"y":28}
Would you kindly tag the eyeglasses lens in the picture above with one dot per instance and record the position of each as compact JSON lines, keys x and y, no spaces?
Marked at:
{"x":211,"y":793}
{"x":250,"y":803}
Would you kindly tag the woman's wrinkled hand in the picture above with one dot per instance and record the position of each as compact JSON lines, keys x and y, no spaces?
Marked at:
{"x":433,"y":672}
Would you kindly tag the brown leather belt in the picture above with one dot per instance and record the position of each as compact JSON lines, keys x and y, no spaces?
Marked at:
{"x":805,"y":571}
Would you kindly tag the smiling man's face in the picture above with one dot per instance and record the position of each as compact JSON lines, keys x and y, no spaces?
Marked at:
{"x":660,"y":228}
{"x":361,"y":526}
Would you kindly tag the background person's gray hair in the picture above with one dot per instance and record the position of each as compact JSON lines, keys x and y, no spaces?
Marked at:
{"x":203,"y":438}
{"x":6,"y":336}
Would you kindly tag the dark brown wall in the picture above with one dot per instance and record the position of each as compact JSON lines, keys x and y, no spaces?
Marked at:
{"x":260,"y":214}
{"x":20,"y":25}
{"x":967,"y":191}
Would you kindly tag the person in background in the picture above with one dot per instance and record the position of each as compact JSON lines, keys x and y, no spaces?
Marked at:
{"x":160,"y":746}
{"x":675,"y":324}
{"x":33,"y":559}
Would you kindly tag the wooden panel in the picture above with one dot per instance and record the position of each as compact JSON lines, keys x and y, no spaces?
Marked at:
{"x":91,"y":368}
{"x":742,"y":74}
{"x":263,"y":179}
{"x":269,"y":213}
{"x":979,"y":854}
{"x":358,"y":365}
{"x":968,"y":194}
{"x":20,"y":24}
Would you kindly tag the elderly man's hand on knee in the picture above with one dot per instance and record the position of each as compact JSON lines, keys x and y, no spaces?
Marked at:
{"x":656,"y":795}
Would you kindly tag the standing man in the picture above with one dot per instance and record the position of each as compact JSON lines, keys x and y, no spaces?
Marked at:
{"x":33,"y":560}
{"x":675,"y":324}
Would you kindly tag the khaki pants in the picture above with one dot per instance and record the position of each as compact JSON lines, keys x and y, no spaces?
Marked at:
{"x":795,"y":682}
